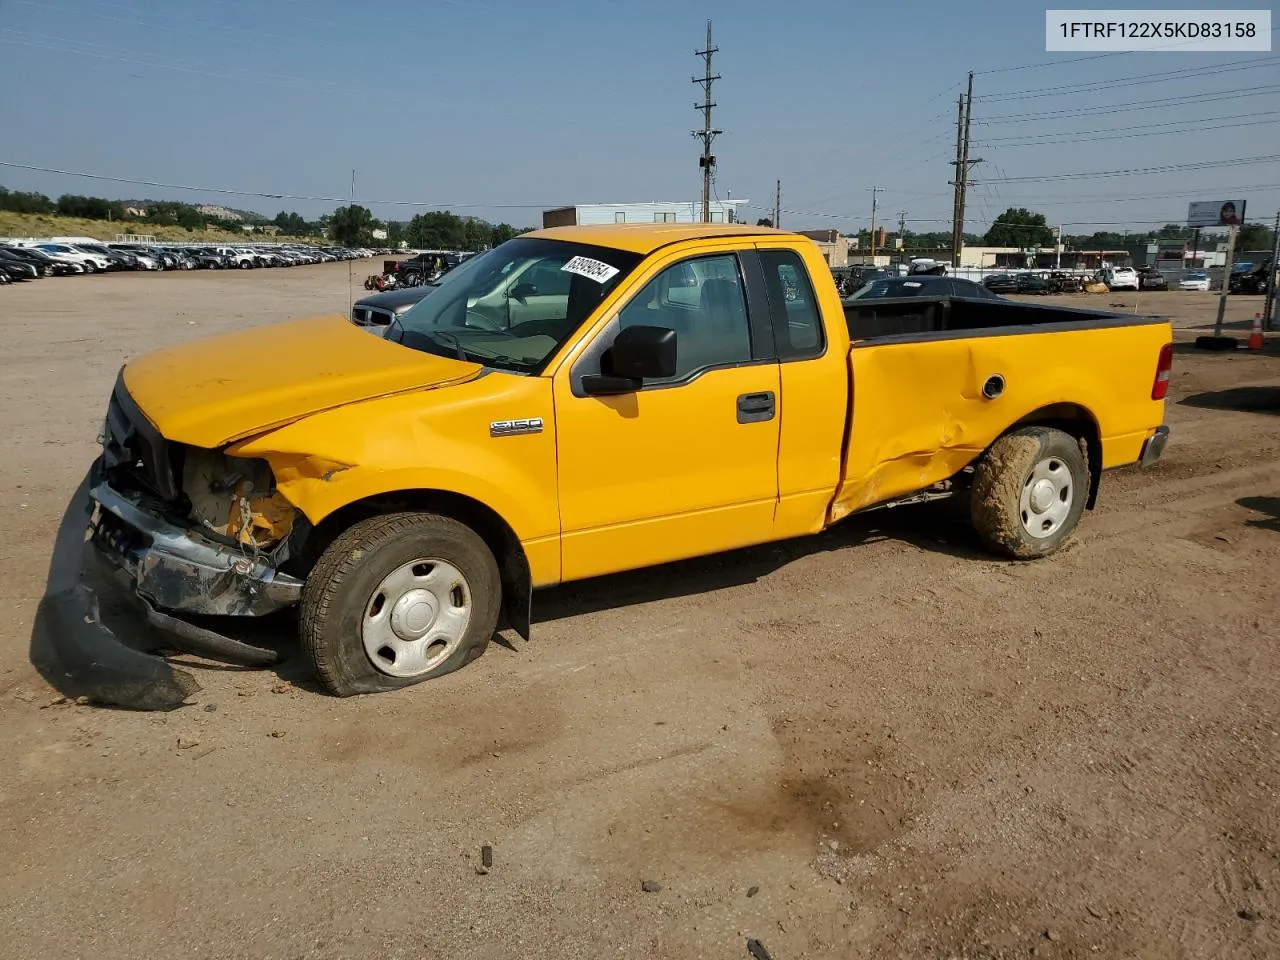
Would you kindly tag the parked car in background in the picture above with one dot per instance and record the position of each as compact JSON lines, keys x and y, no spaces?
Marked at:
{"x":48,"y":266}
{"x":1001,"y":283}
{"x":896,"y":288}
{"x":1120,"y":278}
{"x":1250,"y":277}
{"x":1152,"y":280}
{"x":1033,"y":283}
{"x":90,"y":262}
{"x":16,"y":268}
{"x":1194,"y":281}
{"x":376,"y":311}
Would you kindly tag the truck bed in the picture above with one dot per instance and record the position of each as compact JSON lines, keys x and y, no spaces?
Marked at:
{"x":935,"y":380}
{"x":899,"y":317}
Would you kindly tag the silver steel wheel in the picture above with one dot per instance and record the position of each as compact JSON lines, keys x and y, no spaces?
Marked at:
{"x":1045,"y":502}
{"x":416,"y":617}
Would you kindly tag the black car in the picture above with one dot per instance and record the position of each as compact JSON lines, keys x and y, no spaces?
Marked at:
{"x":45,"y":264}
{"x":377,"y":311}
{"x":923,"y":286}
{"x":431,"y":263}
{"x":1001,"y":283}
{"x":1152,"y":280}
{"x":16,"y":268}
{"x":1032,"y":283}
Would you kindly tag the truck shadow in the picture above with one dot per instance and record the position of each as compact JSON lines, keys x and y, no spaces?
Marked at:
{"x":1246,"y":399}
{"x":936,"y":527}
{"x":88,"y":641}
{"x":1265,"y":505}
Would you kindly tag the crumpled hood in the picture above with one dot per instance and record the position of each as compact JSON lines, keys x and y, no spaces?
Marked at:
{"x":210,"y":392}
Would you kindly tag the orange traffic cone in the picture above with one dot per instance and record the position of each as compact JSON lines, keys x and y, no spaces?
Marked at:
{"x":1255,"y":335}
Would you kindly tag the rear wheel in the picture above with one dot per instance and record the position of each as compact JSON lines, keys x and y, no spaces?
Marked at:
{"x":396,"y":600}
{"x":90,"y":267}
{"x":1029,"y":492}
{"x":246,"y":264}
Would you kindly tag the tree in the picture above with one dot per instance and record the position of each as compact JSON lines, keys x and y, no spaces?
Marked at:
{"x":395,"y":233}
{"x":352,"y":226}
{"x":91,"y":208}
{"x":764,"y":222}
{"x":1019,"y":227}
{"x":1254,"y":236}
{"x":19,"y":202}
{"x":502,"y":232}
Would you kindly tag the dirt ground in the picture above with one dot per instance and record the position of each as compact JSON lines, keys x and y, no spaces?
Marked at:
{"x":878,"y":742}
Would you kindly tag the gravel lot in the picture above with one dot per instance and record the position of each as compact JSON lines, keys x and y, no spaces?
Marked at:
{"x":878,"y":742}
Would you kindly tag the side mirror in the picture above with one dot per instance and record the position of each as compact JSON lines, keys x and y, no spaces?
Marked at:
{"x":638,"y":353}
{"x":521,"y":291}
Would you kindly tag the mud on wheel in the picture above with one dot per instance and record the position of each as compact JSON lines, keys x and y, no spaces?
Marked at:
{"x":396,"y":600}
{"x":1029,"y":492}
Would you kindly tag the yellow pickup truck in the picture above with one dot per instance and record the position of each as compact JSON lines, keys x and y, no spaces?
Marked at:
{"x":585,"y":400}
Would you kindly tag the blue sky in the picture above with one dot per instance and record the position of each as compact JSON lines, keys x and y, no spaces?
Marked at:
{"x":499,"y":108}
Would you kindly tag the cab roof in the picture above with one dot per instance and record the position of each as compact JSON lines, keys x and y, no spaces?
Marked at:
{"x":644,"y":238}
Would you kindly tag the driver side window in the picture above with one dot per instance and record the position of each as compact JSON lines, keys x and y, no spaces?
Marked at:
{"x":703,"y":301}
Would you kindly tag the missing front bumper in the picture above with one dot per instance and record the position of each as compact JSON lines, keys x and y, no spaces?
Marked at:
{"x":176,"y":575}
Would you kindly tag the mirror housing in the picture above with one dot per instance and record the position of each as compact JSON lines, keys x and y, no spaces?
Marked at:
{"x":521,"y":291}
{"x":637,"y":353}
{"x":643,"y":353}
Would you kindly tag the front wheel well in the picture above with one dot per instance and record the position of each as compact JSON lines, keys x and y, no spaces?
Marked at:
{"x":497,"y":534}
{"x":1076,"y":421}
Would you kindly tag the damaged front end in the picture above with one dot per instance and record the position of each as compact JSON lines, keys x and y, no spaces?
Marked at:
{"x":192,"y":533}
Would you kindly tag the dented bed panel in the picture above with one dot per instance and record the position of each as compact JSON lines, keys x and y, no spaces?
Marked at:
{"x":919,"y":414}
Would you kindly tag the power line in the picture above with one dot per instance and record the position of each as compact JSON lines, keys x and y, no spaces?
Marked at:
{"x":1165,"y":168}
{"x":1093,"y":56}
{"x":1181,"y":100}
{"x":1038,"y":142}
{"x":1134,"y":81}
{"x":1124,"y":129}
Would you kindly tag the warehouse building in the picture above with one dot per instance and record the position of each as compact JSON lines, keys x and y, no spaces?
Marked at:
{"x":584,"y":214}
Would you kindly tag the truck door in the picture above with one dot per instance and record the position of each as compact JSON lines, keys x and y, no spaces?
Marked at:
{"x":686,"y":465}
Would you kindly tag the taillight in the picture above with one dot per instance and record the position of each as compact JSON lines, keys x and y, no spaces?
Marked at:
{"x":1160,"y":388}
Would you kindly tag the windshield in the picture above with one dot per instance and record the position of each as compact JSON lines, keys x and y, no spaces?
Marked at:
{"x":513,"y":307}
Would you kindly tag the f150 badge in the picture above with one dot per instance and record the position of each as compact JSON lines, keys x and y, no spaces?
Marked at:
{"x":514,"y":428}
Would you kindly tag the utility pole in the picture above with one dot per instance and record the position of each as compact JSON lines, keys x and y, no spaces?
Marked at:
{"x":874,"y":191}
{"x":777,"y":205}
{"x":902,"y":236}
{"x":707,"y":162}
{"x":962,"y":163}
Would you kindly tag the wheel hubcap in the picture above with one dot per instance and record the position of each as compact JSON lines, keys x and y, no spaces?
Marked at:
{"x":416,"y":617}
{"x":1046,"y":498}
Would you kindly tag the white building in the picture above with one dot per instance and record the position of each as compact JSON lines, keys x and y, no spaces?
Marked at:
{"x":583,"y":214}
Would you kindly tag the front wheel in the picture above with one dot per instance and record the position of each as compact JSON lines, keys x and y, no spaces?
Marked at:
{"x":1029,"y":492}
{"x":396,"y":600}
{"x":90,"y":267}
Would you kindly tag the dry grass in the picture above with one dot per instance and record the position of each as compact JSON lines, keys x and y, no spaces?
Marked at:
{"x":46,"y":225}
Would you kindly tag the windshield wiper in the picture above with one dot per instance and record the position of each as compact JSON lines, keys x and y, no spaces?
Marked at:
{"x":449,"y":340}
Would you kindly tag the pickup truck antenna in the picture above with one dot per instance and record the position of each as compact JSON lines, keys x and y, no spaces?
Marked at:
{"x":707,"y":162}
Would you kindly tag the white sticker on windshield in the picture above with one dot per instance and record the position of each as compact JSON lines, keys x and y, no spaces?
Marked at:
{"x":591,"y":269}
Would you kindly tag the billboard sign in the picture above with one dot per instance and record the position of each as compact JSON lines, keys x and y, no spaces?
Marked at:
{"x":1215,"y":213}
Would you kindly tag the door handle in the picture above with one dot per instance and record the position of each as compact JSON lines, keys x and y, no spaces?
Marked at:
{"x":756,"y":407}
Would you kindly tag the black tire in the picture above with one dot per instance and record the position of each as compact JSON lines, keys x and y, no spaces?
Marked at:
{"x":246,"y":264}
{"x":343,"y":581}
{"x":1001,"y":477}
{"x":90,"y":267}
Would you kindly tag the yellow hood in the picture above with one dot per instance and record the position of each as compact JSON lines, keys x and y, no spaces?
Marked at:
{"x":210,"y":392}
